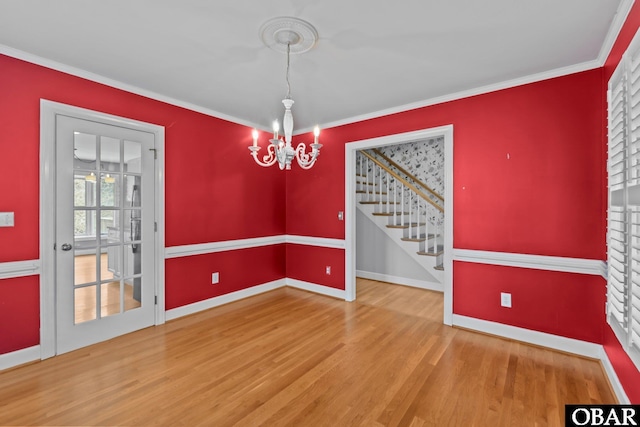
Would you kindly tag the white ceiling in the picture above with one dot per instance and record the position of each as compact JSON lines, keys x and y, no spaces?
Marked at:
{"x":372,"y":55}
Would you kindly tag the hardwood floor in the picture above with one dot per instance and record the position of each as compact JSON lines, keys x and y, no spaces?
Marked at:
{"x":289,"y":357}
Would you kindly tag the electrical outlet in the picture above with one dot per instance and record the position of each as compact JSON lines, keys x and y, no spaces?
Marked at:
{"x":328,"y":270}
{"x":505,"y":299}
{"x":215,"y":278}
{"x":6,"y":219}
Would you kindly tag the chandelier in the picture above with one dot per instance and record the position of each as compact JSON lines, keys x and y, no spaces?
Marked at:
{"x":288,"y":35}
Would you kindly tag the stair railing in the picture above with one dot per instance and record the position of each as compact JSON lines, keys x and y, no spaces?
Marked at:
{"x":401,"y":200}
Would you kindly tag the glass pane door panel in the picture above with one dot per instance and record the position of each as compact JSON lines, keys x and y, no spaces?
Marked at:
{"x":107,"y":269}
{"x":85,"y":269}
{"x":133,"y":225}
{"x":84,"y":151}
{"x":109,"y":154}
{"x":110,"y":298}
{"x":109,"y":190}
{"x":110,"y":225}
{"x":130,"y":303}
{"x":84,"y":225}
{"x":132,"y":256}
{"x":84,"y":189}
{"x":132,"y":157}
{"x":114,"y":260}
{"x":133,"y":189}
{"x":85,"y":304}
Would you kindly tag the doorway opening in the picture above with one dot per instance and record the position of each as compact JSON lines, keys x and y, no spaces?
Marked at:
{"x":446,"y":132}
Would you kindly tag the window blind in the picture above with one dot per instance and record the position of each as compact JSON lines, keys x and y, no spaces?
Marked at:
{"x":623,"y":219}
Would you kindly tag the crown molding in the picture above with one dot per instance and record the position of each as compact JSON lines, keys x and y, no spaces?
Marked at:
{"x":614,"y":30}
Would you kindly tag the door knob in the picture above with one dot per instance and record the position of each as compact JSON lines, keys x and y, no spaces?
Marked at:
{"x":66,"y":247}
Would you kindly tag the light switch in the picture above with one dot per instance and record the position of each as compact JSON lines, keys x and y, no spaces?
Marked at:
{"x":6,"y":219}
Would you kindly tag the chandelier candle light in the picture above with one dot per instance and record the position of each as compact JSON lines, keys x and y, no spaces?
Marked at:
{"x":289,"y":35}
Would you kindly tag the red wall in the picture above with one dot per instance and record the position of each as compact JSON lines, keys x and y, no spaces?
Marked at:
{"x":309,"y":264}
{"x":188,"y":279}
{"x":19,"y":313}
{"x":565,"y":304}
{"x":214,"y":191}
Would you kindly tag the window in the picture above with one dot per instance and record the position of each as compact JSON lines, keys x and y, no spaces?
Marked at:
{"x":623,"y":226}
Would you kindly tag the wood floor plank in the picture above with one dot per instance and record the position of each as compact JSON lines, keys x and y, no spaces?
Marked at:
{"x":292,"y":358}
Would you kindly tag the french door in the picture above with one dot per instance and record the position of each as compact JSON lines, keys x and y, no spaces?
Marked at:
{"x":104,"y":231}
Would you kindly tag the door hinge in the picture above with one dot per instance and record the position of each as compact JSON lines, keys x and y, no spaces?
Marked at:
{"x":155,"y":226}
{"x":155,"y":300}
{"x":155,"y":152}
{"x":54,"y":246}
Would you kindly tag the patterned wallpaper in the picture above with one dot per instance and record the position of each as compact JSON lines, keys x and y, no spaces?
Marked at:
{"x":424,"y":159}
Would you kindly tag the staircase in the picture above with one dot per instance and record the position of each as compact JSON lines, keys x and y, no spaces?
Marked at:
{"x":407,"y":210}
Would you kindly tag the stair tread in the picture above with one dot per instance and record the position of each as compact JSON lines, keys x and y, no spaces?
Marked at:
{"x":386,"y":213}
{"x":370,"y":192}
{"x":417,"y":239}
{"x":404,"y":225}
{"x":377,"y":202}
{"x":439,"y":251}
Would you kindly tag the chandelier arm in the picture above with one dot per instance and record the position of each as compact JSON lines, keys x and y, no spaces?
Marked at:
{"x":269,"y":159}
{"x":306,"y":160}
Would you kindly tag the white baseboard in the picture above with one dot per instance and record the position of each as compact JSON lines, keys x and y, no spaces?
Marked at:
{"x":19,"y":357}
{"x":556,"y":342}
{"x":185,"y":310}
{"x":318,"y":289}
{"x":422,"y":284}
{"x":613,"y":378}
{"x":223,"y":299}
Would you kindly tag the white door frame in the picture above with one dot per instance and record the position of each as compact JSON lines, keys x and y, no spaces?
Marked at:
{"x":350,"y":206}
{"x":48,"y":112}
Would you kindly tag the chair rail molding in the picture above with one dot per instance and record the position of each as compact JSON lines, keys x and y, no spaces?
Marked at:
{"x":9,"y":270}
{"x":539,"y":262}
